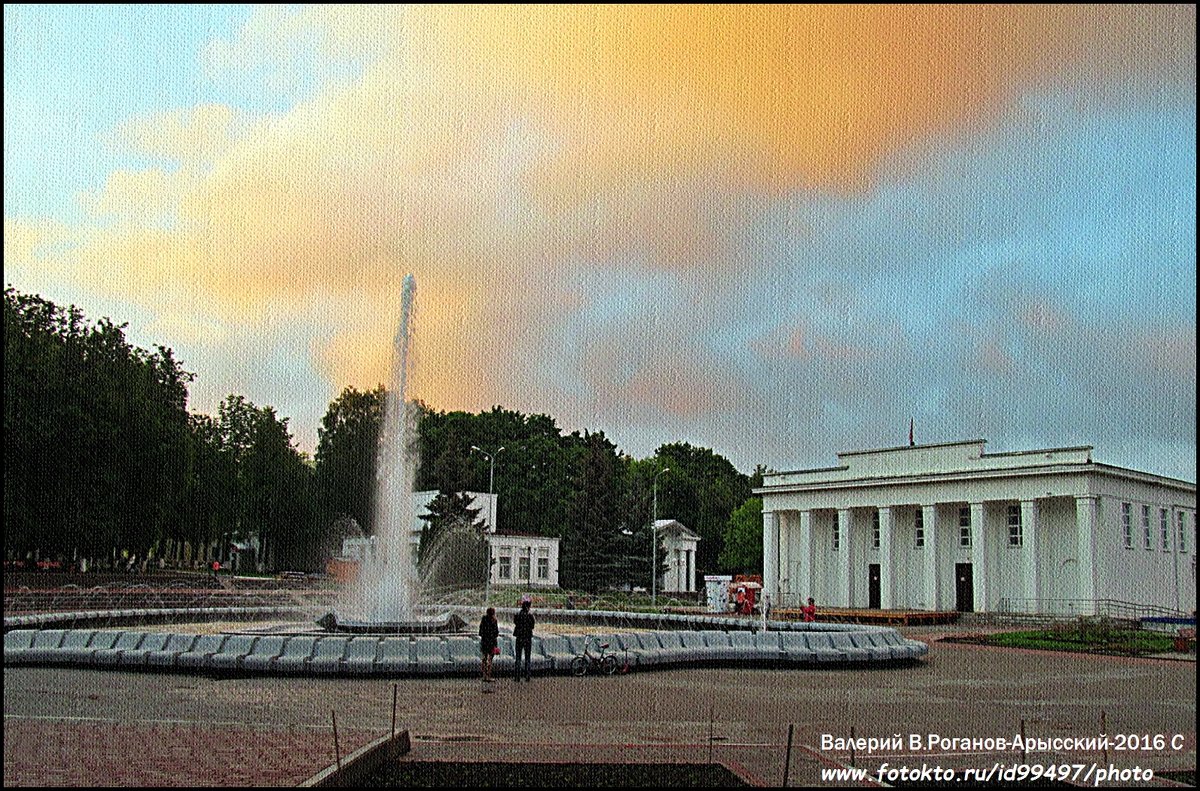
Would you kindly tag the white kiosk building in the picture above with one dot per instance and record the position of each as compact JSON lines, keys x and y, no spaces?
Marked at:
{"x":949,"y":527}
{"x":679,"y":546}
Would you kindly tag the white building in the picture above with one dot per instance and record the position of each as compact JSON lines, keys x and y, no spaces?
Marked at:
{"x":524,"y":559}
{"x":516,"y":558}
{"x":948,"y":526}
{"x":679,"y":546}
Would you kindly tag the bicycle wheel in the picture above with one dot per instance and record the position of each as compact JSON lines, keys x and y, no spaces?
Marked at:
{"x":578,"y":666}
{"x":608,"y":665}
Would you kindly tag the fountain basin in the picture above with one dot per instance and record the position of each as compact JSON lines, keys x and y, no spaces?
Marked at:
{"x":680,"y":641}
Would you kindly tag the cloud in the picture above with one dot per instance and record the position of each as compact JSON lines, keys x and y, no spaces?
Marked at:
{"x":191,"y":135}
{"x":797,"y":224}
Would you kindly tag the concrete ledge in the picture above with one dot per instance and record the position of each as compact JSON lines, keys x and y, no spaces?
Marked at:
{"x":358,"y":766}
{"x":455,"y":655}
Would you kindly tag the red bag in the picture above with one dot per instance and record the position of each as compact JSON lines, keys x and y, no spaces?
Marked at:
{"x":496,"y":651}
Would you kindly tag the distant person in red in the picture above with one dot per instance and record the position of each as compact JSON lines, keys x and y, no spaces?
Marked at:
{"x":216,"y":566}
{"x":809,"y":610}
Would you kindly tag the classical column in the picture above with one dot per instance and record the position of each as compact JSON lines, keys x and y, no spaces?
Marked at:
{"x":783,"y":568}
{"x":979,"y":559}
{"x":803,"y":584}
{"x":930,"y":579}
{"x":885,"y":558}
{"x":771,"y":554}
{"x":844,"y":587}
{"x":1030,"y":565}
{"x":1087,"y":521}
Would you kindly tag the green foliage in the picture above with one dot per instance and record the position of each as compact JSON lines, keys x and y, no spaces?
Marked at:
{"x":592,"y":554}
{"x":96,"y":433}
{"x":537,"y":480}
{"x":347,"y":443}
{"x":1087,"y":634}
{"x":743,"y":550}
{"x":449,"y":513}
{"x":701,"y":491}
{"x":102,"y":456}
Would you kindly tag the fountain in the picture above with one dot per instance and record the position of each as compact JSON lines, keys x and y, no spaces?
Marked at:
{"x":382,"y":598}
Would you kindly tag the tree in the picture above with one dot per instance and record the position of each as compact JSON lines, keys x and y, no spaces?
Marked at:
{"x":347,"y":447}
{"x":210,"y":497}
{"x":592,"y":552}
{"x":701,"y":491}
{"x":452,"y":549}
{"x":96,"y":433}
{"x":743,"y":550}
{"x":272,"y":491}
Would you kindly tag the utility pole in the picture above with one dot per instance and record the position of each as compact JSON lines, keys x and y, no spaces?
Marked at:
{"x":491,"y":457}
{"x":654,"y":543}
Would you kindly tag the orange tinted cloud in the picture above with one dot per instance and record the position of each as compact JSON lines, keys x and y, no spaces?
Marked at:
{"x":494,"y":150}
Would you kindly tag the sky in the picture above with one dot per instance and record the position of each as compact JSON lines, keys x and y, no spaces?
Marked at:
{"x":779,"y":232}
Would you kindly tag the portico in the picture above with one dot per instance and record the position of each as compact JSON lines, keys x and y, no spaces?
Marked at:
{"x":949,"y":526}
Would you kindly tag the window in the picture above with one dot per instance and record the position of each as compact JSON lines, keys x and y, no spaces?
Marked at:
{"x":1164,"y":518}
{"x":919,"y":525}
{"x":523,"y":567}
{"x":505,"y":567}
{"x":1127,"y":523}
{"x":543,"y":568}
{"x":875,"y":530}
{"x":1014,"y":526}
{"x":837,"y":532}
{"x":964,"y":526}
{"x":1181,"y":539}
{"x":1147,"y":542}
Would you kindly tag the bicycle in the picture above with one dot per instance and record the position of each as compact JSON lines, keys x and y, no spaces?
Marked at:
{"x":605,"y":662}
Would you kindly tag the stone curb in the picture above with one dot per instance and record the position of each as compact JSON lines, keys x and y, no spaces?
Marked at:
{"x":359,"y":765}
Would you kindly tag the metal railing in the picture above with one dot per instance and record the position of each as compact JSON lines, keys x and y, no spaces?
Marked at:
{"x":1074,"y":608}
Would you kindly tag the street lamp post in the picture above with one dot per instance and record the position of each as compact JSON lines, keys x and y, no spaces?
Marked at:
{"x":491,"y":457}
{"x":654,"y":543}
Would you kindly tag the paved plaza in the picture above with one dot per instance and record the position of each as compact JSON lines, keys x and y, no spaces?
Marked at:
{"x":101,"y":727}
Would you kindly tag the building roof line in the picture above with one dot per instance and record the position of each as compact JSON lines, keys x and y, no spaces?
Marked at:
{"x":990,"y":472}
{"x":913,"y":447}
{"x":1034,"y":452}
{"x":801,"y":472}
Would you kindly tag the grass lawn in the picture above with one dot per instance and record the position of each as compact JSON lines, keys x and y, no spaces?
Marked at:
{"x":1086,"y":639}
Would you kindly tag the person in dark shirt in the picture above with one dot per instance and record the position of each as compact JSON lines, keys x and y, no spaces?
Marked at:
{"x":489,"y":634}
{"x":523,"y":634}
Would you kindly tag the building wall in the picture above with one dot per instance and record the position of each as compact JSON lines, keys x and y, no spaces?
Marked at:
{"x":1138,"y":574}
{"x":508,"y":552}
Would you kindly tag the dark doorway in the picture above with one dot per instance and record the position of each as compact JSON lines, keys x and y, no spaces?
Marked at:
{"x":964,"y":591}
{"x":873,"y":587}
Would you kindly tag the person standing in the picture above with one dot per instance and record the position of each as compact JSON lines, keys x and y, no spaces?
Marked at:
{"x":523,"y":634}
{"x":809,"y":610}
{"x":489,"y":635}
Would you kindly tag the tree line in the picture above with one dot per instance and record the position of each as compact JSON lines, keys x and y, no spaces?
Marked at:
{"x":103,"y":458}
